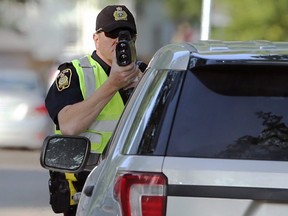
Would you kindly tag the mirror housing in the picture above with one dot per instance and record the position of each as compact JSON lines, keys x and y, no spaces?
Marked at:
{"x":67,"y":154}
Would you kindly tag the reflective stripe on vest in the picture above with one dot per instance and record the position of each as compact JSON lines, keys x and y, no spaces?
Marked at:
{"x":91,"y":77}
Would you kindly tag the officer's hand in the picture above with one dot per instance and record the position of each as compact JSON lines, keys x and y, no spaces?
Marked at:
{"x":136,"y":80}
{"x":123,"y":76}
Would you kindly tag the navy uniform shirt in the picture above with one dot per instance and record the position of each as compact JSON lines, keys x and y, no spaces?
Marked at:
{"x":66,"y":88}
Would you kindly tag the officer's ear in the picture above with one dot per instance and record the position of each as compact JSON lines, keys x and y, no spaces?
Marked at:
{"x":95,"y":37}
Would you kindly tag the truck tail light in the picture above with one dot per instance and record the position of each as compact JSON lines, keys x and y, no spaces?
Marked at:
{"x":38,"y":110}
{"x":41,"y":109}
{"x":141,"y":193}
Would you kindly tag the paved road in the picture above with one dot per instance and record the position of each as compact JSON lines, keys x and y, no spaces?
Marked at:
{"x":23,"y":184}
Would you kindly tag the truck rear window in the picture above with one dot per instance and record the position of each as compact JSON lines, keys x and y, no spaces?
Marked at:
{"x":238,"y":112}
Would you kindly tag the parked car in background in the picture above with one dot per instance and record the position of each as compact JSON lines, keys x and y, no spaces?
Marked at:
{"x":204,"y":133}
{"x":24,"y":121}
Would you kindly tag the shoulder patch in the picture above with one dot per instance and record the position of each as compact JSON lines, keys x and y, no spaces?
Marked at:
{"x":64,"y":79}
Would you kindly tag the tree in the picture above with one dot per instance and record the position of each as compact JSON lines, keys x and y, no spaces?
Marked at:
{"x":247,"y":19}
{"x":253,"y":20}
{"x":184,"y":10}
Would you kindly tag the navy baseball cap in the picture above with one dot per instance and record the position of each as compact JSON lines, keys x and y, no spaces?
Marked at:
{"x":114,"y":17}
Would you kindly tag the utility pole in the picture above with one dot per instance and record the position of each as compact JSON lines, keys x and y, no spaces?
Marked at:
{"x":205,"y":20}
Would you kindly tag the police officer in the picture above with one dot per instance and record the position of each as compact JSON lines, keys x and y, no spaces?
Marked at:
{"x":88,"y":97}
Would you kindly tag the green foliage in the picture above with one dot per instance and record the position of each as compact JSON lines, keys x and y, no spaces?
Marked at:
{"x":247,"y":19}
{"x":253,"y":19}
{"x":184,"y":10}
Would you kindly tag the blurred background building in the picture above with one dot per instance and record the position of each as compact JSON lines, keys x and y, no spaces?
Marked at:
{"x":37,"y":34}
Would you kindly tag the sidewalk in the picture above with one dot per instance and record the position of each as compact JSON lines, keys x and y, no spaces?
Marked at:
{"x":27,"y":212}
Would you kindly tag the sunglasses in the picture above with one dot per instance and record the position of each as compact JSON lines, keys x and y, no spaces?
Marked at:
{"x":115,"y":33}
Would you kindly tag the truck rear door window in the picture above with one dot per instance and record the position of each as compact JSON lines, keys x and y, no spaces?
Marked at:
{"x":233,"y":113}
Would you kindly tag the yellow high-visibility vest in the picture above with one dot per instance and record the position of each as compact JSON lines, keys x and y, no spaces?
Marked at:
{"x":91,"y":77}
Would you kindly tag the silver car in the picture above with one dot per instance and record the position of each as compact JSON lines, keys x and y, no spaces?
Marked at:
{"x":24,"y":121}
{"x":204,"y":133}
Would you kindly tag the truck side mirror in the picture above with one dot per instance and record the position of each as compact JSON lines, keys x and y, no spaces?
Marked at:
{"x":65,"y":153}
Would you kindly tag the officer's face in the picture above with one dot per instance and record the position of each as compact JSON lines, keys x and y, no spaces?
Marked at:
{"x":105,"y":46}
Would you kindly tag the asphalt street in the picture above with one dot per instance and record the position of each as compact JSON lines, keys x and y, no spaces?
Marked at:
{"x":23,"y":184}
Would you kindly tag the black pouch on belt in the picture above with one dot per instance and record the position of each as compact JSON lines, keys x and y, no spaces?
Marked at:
{"x":59,"y":193}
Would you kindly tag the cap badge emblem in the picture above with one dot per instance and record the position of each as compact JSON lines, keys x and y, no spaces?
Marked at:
{"x":120,"y":14}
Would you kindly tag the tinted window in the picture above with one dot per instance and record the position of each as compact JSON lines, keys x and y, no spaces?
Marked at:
{"x":228,"y":113}
{"x":156,"y":133}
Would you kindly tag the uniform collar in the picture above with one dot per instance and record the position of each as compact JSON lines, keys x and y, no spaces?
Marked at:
{"x":105,"y":66}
